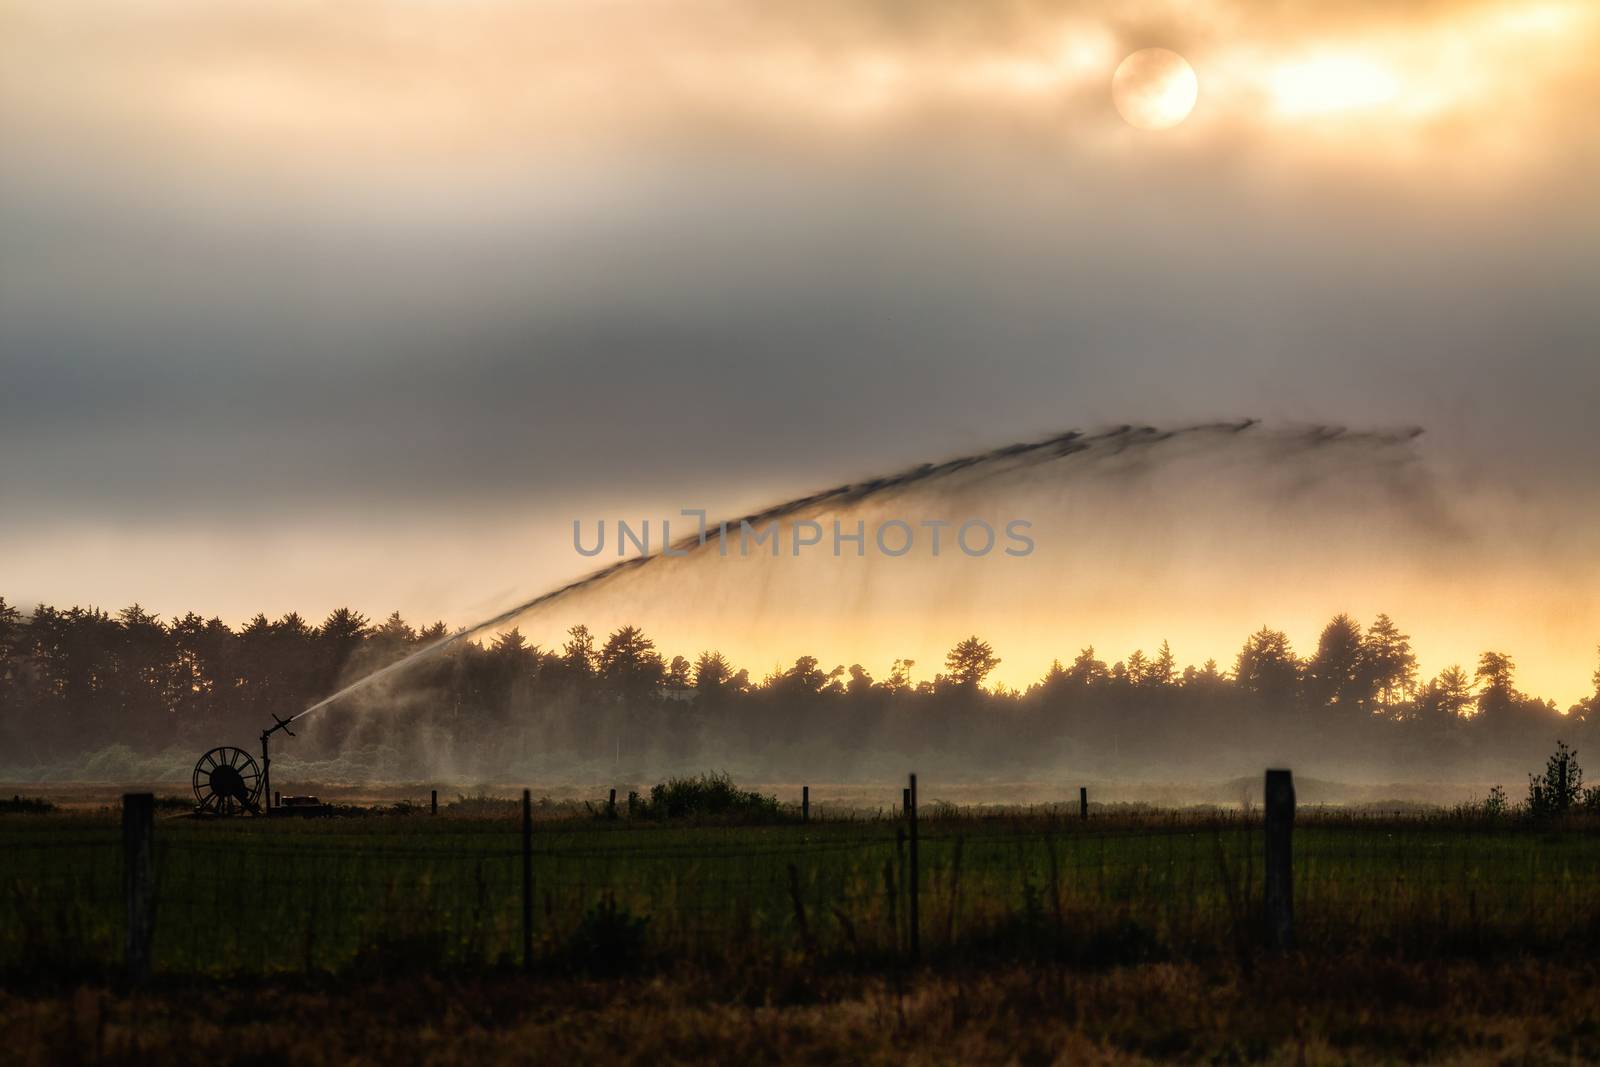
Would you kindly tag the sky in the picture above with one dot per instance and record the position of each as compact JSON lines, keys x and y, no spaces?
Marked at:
{"x":304,"y":305}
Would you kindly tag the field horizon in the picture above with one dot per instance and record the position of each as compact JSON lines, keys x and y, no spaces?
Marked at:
{"x":836,"y":798}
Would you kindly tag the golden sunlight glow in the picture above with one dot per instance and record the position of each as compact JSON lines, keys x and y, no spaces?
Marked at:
{"x":1332,"y":83}
{"x":1155,"y":89}
{"x":1496,"y":63}
{"x":1502,"y":81}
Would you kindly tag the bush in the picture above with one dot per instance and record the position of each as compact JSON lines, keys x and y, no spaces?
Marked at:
{"x":1496,"y":804}
{"x":609,"y":939}
{"x":707,"y":796}
{"x":1560,"y":788}
{"x":482,"y":806}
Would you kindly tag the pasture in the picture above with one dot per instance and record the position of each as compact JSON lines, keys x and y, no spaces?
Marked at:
{"x":398,"y":892}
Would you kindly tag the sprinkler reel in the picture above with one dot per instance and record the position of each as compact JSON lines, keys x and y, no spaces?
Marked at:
{"x":228,"y":781}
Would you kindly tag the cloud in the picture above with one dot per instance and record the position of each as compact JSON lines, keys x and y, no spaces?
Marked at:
{"x":375,"y":84}
{"x":266,"y":265}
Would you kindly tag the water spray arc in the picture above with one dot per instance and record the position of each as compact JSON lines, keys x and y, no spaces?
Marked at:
{"x":1070,"y":445}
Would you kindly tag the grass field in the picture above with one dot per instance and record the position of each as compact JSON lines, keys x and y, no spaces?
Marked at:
{"x":389,"y":894}
{"x":1345,"y":1011}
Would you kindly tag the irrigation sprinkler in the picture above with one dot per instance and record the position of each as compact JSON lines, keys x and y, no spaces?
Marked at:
{"x":266,"y":756}
{"x":228,"y":781}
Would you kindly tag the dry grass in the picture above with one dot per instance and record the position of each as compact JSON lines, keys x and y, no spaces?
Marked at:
{"x":1345,"y":1012}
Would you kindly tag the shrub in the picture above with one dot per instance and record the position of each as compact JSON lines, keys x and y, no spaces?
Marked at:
{"x":608,"y":940}
{"x":482,"y":806}
{"x":1560,"y":788}
{"x":1496,"y":804}
{"x":708,"y":795}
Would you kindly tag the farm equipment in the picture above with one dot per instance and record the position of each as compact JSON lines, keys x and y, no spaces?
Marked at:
{"x":228,"y":781}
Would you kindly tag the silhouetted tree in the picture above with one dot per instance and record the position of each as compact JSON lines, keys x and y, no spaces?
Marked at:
{"x":806,"y":676}
{"x":970,"y":662}
{"x":1054,"y":678}
{"x":711,"y":672}
{"x":340,"y":635}
{"x":1207,"y":677}
{"x":392,"y":640}
{"x":1137,"y":667}
{"x":1267,"y":666}
{"x":629,"y":664}
{"x":899,"y":680}
{"x":1387,"y":661}
{"x":1495,"y":672}
{"x":1446,"y":698}
{"x":1587,"y":710}
{"x":578,"y":655}
{"x":1334,"y":674}
{"x":1086,"y":670}
{"x":860,"y":681}
{"x":1163,"y":670}
{"x":510,"y":645}
{"x":79,"y":679}
{"x":199,"y":665}
{"x":13,"y":663}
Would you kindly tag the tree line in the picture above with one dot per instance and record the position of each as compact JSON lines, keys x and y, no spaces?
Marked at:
{"x":78,"y":679}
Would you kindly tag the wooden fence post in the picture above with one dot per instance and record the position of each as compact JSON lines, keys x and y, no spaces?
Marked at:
{"x":805,"y":803}
{"x":527,"y":879}
{"x":800,"y":911}
{"x":900,"y":938}
{"x":1279,"y":892}
{"x":139,"y":881}
{"x":1083,"y":802}
{"x":611,"y":805}
{"x":433,"y":803}
{"x":913,"y":912}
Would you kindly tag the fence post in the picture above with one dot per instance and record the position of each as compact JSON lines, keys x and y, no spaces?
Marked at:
{"x":433,"y":803}
{"x":800,"y":910}
{"x":1083,"y":802}
{"x":1279,"y":894}
{"x":911,"y":880}
{"x":527,"y":880}
{"x":139,"y":881}
{"x":805,"y":803}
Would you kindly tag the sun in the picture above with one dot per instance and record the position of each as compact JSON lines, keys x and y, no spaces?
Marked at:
{"x":1154,"y":89}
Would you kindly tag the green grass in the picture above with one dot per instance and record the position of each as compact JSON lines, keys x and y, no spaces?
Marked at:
{"x":253,"y":896}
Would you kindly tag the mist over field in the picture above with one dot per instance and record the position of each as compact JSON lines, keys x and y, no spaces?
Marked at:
{"x":1165,"y":635}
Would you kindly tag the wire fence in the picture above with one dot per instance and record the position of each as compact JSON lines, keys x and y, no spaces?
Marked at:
{"x":270,"y":896}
